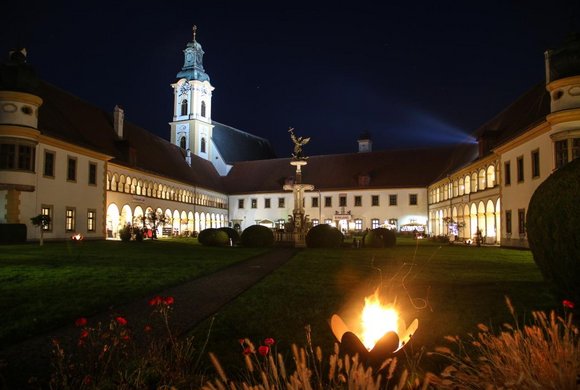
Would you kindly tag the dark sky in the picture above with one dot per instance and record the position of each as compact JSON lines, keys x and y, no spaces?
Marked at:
{"x":414,"y":74}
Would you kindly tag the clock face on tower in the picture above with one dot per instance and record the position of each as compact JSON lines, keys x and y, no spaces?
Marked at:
{"x":189,"y":57}
{"x":184,"y":88}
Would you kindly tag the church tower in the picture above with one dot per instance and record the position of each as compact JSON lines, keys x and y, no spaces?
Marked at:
{"x":563,"y":84}
{"x":191,"y":128}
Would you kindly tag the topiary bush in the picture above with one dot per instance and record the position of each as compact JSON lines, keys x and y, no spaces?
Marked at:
{"x":324,"y":236}
{"x":213,"y":237}
{"x":125,"y":233}
{"x":380,"y":238}
{"x":232,"y":234}
{"x":552,"y":224}
{"x":257,"y":236}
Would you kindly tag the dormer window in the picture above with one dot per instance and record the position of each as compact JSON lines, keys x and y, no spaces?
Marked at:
{"x":184,"y":107}
{"x":202,"y":146}
{"x":203,"y":109}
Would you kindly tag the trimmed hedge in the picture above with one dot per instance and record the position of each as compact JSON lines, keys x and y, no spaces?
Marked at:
{"x":552,"y":224}
{"x":232,"y":233}
{"x":12,"y":233}
{"x":257,"y":236}
{"x":380,"y":238}
{"x":324,"y":236}
{"x":213,"y":237}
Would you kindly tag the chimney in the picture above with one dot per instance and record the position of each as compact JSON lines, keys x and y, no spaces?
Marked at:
{"x":118,"y":118}
{"x":365,"y":144}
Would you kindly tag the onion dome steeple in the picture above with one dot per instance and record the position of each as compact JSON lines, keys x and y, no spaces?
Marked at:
{"x":193,"y":66}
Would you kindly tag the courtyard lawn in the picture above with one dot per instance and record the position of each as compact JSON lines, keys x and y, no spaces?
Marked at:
{"x":450,"y":289}
{"x":45,"y":287}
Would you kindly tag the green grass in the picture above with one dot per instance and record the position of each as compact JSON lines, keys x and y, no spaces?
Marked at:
{"x":45,"y":287}
{"x":450,"y":289}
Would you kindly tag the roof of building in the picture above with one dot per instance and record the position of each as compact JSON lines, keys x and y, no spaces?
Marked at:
{"x":527,"y":111}
{"x":68,"y":118}
{"x":236,"y":145}
{"x":409,"y":168}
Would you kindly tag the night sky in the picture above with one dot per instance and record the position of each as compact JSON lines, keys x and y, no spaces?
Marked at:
{"x":415,"y":74}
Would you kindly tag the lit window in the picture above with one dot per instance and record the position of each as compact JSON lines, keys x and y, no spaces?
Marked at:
{"x":91,"y":220}
{"x":358,"y":224}
{"x":280,"y":224}
{"x":69,"y":223}
{"x":315,"y":222}
{"x":375,"y":223}
{"x":47,"y":210}
{"x":328,"y":221}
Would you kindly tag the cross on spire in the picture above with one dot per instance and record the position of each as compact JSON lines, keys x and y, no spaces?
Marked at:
{"x":194,"y":29}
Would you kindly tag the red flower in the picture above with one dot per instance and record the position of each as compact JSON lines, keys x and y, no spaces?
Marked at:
{"x":126,"y":338}
{"x":84,"y":334}
{"x":121,"y":321}
{"x":242,"y":342}
{"x":147,"y":329}
{"x":263,"y":350}
{"x":269,"y":341}
{"x":568,"y":304}
{"x":247,"y":351}
{"x":168,"y":300}
{"x":155,"y":301}
{"x":82,"y":321}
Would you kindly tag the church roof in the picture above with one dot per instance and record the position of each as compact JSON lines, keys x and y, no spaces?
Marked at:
{"x":407,"y":168}
{"x":237,"y":145}
{"x":68,"y":118}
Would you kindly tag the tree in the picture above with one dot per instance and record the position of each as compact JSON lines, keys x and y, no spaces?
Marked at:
{"x":42,"y":221}
{"x":156,"y":218}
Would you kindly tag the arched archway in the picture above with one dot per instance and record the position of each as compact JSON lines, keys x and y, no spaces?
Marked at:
{"x":498,"y":220}
{"x":481,"y":217}
{"x":490,"y":229}
{"x":190,"y":222}
{"x":196,"y":225}
{"x":183,"y":222}
{"x":176,"y":223}
{"x":113,"y":219}
{"x":138,"y":217}
{"x":126,"y":216}
{"x":473,"y":219}
{"x":202,"y":222}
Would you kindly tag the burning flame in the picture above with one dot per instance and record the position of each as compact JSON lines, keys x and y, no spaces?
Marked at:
{"x":376,"y":320}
